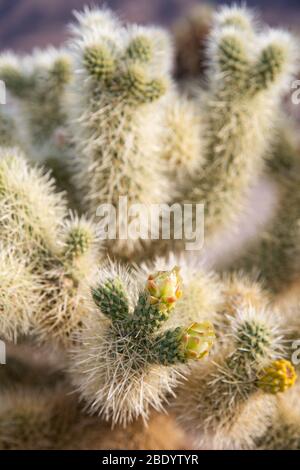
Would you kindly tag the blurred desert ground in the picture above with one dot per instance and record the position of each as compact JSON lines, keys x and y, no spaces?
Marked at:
{"x":28,"y":23}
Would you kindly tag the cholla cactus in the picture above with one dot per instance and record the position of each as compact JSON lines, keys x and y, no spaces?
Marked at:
{"x":124,"y":361}
{"x":245,"y":78}
{"x":57,"y":253}
{"x":92,"y":19}
{"x":135,"y":338}
{"x":31,"y":210}
{"x":239,"y":109}
{"x":65,"y":281}
{"x":38,"y":83}
{"x":221,"y":402}
{"x":275,"y":252}
{"x":182,"y":142}
{"x":190,"y":35}
{"x":238,"y":16}
{"x":121,"y":73}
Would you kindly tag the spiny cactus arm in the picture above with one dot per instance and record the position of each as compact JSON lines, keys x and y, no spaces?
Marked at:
{"x":43,"y":70}
{"x":153,"y":304}
{"x":19,"y":294}
{"x":79,"y":237}
{"x":112,"y":57}
{"x":39,"y":89}
{"x":276,"y":62}
{"x":237,"y":16}
{"x":60,"y":71}
{"x":14,"y":76}
{"x":37,"y":127}
{"x":58,"y":251}
{"x":99,"y":62}
{"x":121,"y":154}
{"x":221,"y":395}
{"x":43,"y":109}
{"x":31,"y":210}
{"x":64,"y":278}
{"x":131,"y":83}
{"x":183,"y":142}
{"x":257,"y":342}
{"x":239,"y":290}
{"x":134,"y":360}
{"x":95,"y":18}
{"x":139,"y":49}
{"x":8,"y":130}
{"x":167,"y":348}
{"x":112,"y":300}
{"x":229,"y":54}
{"x":238,"y":123}
{"x":283,"y":432}
{"x":136,"y":87}
{"x":152,"y":46}
{"x":147,"y":317}
{"x":34,"y":215}
{"x":277,"y":53}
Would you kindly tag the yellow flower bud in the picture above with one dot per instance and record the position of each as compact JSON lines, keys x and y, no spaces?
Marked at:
{"x":164,"y":288}
{"x":197,"y":340}
{"x":278,"y":377}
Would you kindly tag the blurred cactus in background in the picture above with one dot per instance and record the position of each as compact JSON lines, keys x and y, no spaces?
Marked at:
{"x":105,"y":334}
